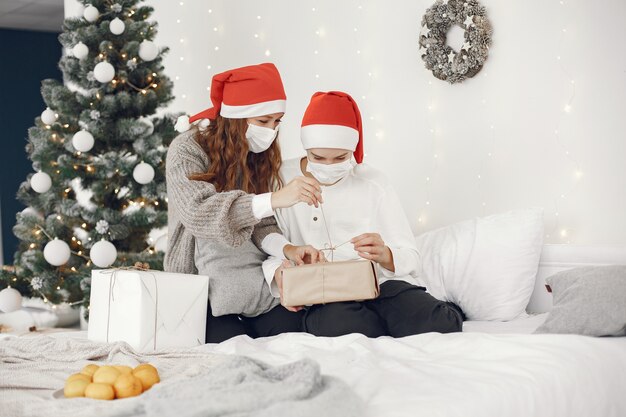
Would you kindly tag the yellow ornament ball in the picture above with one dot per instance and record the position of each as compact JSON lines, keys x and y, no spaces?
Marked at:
{"x":75,"y":388}
{"x":146,"y":366}
{"x":106,"y":375}
{"x":147,"y":376}
{"x":78,"y":376}
{"x":123,"y":369}
{"x":99,"y":391}
{"x":90,"y":370}
{"x":127,"y":385}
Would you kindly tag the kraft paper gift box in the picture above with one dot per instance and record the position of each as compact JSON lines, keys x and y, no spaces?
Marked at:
{"x":148,"y":309}
{"x":329,"y":282}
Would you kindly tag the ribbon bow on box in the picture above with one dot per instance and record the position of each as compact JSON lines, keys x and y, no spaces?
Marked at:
{"x":329,"y":246}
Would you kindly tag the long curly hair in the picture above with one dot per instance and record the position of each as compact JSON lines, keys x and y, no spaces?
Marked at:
{"x":231,"y":165}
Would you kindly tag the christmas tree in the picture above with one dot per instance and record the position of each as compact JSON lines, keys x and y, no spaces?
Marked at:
{"x":99,"y":187}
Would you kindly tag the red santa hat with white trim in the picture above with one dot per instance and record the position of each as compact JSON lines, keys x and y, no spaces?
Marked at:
{"x":333,"y":120}
{"x":251,"y":91}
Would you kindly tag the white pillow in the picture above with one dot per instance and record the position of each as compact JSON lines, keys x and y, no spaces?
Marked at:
{"x":487,"y":265}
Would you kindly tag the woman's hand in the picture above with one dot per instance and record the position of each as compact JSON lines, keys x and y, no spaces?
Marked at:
{"x":300,"y":189}
{"x":371,"y":246}
{"x":301,"y":255}
{"x":278,"y":277}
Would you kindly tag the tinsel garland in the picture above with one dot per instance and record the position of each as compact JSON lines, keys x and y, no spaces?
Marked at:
{"x":444,"y":62}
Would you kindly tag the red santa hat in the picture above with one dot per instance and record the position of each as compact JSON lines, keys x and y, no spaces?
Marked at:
{"x":333,"y":120}
{"x":251,"y":91}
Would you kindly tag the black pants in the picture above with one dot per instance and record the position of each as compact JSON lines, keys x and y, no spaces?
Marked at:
{"x":276,"y":321}
{"x":400,"y":310}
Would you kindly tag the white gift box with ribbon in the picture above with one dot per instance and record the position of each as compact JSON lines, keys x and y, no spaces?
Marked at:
{"x":148,"y":309}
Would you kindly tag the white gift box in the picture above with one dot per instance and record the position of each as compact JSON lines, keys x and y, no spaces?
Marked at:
{"x":148,"y":309}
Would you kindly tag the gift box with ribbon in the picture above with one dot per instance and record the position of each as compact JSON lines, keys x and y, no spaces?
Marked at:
{"x":150,"y":310}
{"x":328,"y":282}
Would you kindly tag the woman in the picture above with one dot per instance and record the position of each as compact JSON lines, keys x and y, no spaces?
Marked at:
{"x":364,"y":219}
{"x":221,"y":181}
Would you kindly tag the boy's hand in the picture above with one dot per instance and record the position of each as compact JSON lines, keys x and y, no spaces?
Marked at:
{"x":371,"y":246}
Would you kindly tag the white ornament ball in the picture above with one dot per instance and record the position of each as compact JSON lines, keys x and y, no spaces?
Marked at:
{"x":103,"y":254}
{"x":48,"y":116}
{"x":104,"y":72}
{"x":82,"y":141}
{"x":117,"y":26}
{"x":148,"y":50}
{"x":80,"y":50}
{"x":56,"y":252}
{"x":143,"y":173}
{"x":10,"y":300}
{"x":161,"y":243}
{"x":40,"y":182}
{"x":91,"y":13}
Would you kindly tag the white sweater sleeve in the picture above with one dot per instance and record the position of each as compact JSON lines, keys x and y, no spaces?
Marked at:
{"x":394,"y":228}
{"x":270,"y":265}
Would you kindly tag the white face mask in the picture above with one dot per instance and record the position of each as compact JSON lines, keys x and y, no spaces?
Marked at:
{"x":260,"y":138}
{"x":329,"y":173}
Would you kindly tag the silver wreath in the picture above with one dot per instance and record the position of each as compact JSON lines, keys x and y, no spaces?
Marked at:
{"x":444,"y":62}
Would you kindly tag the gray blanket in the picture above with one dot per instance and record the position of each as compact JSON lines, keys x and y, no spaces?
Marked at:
{"x":194,"y":382}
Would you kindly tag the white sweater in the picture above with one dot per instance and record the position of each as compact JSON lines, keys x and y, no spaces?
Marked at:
{"x":362,"y":202}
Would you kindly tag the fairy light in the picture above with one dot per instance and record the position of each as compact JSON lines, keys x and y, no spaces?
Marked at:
{"x":557,"y":229}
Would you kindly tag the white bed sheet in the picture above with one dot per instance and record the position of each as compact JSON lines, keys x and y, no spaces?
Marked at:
{"x":487,"y":371}
{"x":523,"y":325}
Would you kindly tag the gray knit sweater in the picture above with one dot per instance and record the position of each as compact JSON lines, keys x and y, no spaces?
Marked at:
{"x":197,"y":213}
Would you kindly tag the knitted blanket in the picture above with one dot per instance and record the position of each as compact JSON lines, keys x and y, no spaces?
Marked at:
{"x":194,"y":382}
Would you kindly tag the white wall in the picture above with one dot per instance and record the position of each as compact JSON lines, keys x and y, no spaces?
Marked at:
{"x":453,"y":151}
